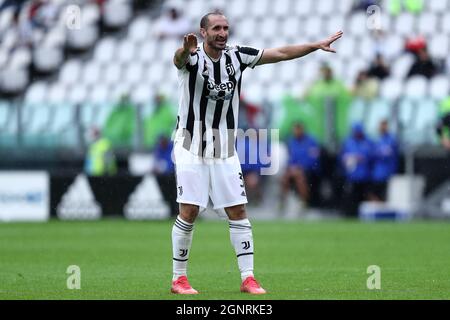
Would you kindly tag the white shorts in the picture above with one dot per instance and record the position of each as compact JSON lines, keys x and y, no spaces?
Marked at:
{"x":199,"y":179}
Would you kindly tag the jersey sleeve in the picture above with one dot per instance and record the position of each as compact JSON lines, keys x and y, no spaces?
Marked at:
{"x":249,"y":55}
{"x":191,"y":62}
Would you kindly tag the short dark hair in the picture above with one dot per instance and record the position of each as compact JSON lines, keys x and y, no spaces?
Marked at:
{"x":205,"y":19}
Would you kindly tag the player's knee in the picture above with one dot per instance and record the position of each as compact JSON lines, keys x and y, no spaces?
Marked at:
{"x":236,"y":212}
{"x":188,"y":212}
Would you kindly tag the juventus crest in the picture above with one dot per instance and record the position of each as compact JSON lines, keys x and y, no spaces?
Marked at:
{"x":230,"y":69}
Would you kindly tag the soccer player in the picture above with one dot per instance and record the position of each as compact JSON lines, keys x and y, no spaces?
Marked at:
{"x":207,"y":166}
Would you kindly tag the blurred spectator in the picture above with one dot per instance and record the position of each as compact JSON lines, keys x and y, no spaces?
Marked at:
{"x":413,"y":6}
{"x":365,"y":87}
{"x":331,"y":98}
{"x":163,"y":157}
{"x":120,"y":125}
{"x":443,"y":127}
{"x":100,"y":159}
{"x":303,"y":165}
{"x":379,"y":68}
{"x":248,"y":113}
{"x":160,"y":122}
{"x":24,"y":31}
{"x":364,"y":4}
{"x":172,"y":25}
{"x":416,"y":44}
{"x":385,"y":162}
{"x":248,"y":148}
{"x":423,"y":65}
{"x":355,"y":158}
{"x":17,"y":4}
{"x":45,"y":14}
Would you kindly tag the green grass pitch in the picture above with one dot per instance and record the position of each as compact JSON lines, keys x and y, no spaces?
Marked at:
{"x":293,"y":260}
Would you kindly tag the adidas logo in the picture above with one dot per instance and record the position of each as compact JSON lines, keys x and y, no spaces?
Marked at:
{"x":243,"y":194}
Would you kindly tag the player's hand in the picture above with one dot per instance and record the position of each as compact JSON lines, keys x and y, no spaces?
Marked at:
{"x":190,"y":43}
{"x":325,"y":45}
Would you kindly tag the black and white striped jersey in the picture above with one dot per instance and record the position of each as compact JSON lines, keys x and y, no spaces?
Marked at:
{"x":209,"y":100}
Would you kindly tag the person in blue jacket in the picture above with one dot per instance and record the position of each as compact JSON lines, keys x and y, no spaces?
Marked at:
{"x":356,"y":161}
{"x":385,"y":162}
{"x":163,"y":157}
{"x":303,"y":165}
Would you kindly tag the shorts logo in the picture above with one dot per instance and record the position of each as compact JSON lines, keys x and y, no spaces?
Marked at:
{"x":180,"y":190}
{"x":230,"y":69}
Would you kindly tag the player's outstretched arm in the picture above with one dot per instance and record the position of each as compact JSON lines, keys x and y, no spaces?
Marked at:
{"x":296,"y":51}
{"x":189,"y":46}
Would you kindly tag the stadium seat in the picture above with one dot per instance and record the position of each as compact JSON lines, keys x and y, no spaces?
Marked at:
{"x":406,"y":113}
{"x":334,"y":23}
{"x":116,"y":13}
{"x":378,"y":110}
{"x":5,"y":111}
{"x":105,"y":50}
{"x":281,"y":9}
{"x":83,"y":38}
{"x":426,"y":119}
{"x":47,"y":59}
{"x":405,"y":24}
{"x":77,"y":94}
{"x":141,"y":94}
{"x":13,"y":80}
{"x":357,"y":26}
{"x":133,"y":73}
{"x":260,"y":8}
{"x":357,"y":111}
{"x":313,"y":28}
{"x":147,"y":51}
{"x":439,"y":87}
{"x":112,"y":73}
{"x":21,"y":58}
{"x":437,"y":6}
{"x":90,"y":14}
{"x":439,"y":46}
{"x":325,"y":7}
{"x":346,"y":47}
{"x":56,"y":94}
{"x":445,"y":23}
{"x":91,"y":73}
{"x":392,"y":46}
{"x":70,"y":72}
{"x":343,"y":7}
{"x":416,"y":87}
{"x":4,"y":57}
{"x":391,"y":89}
{"x":303,"y":8}
{"x":126,"y":51}
{"x":6,"y":18}
{"x":427,"y":24}
{"x":402,"y":65}
{"x":37,"y":92}
{"x":139,"y":29}
{"x":246,"y":28}
{"x":367,"y":48}
{"x":55,"y":37}
{"x":236,"y":10}
{"x":194,"y":9}
{"x":269,"y":28}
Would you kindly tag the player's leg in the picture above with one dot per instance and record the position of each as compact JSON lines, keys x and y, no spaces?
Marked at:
{"x":192,"y":192}
{"x":228,"y":191}
{"x":241,"y":237}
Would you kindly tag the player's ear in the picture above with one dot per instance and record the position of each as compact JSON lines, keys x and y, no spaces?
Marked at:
{"x":203,"y":32}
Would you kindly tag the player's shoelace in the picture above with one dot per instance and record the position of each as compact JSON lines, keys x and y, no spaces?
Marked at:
{"x":183,"y":283}
{"x":251,"y":282}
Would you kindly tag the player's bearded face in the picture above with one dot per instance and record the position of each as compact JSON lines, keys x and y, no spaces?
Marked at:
{"x":216,"y":35}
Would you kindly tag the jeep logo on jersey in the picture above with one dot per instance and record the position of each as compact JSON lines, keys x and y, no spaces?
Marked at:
{"x":229,"y":86}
